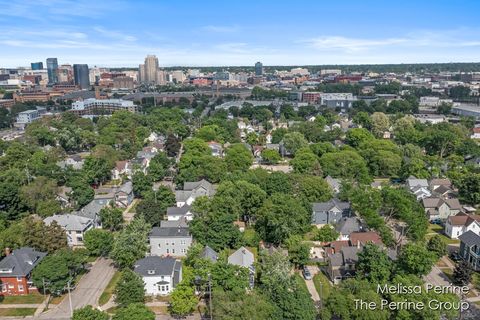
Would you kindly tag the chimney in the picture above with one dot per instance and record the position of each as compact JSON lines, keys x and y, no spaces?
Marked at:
{"x":7,"y":251}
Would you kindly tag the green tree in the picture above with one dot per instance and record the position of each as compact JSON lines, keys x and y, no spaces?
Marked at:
{"x":96,"y":170}
{"x":270,"y":156}
{"x":137,"y":311}
{"x":306,"y":161}
{"x":98,"y":242}
{"x":112,"y":218}
{"x":129,"y":289}
{"x":469,"y":188}
{"x":416,"y":259}
{"x":357,"y":136}
{"x":278,"y":134}
{"x":159,"y":166}
{"x":311,"y":188}
{"x":298,"y":250}
{"x":462,"y":275}
{"x":42,"y":237}
{"x":294,"y":141}
{"x":233,"y":305}
{"x":345,"y":164}
{"x":326,"y":234}
{"x":154,"y":207}
{"x":183,"y":300}
{"x":280,"y":217}
{"x":131,"y":243}
{"x":141,"y":184}
{"x":437,"y":245}
{"x":374,"y":264}
{"x":89,"y":313}
{"x":379,"y":124}
{"x":39,"y":191}
{"x":238,"y":158}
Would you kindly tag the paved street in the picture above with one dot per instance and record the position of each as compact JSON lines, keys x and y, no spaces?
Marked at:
{"x":87,"y":292}
{"x":310,"y":285}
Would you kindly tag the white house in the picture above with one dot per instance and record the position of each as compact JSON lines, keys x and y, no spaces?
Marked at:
{"x":461,"y":223}
{"x":193,"y":190}
{"x":160,"y":275}
{"x":75,"y":227}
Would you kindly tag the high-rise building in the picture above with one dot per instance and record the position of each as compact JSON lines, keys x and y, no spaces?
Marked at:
{"x":81,"y":75}
{"x":52,"y":67}
{"x":141,"y":73}
{"x":37,"y":65}
{"x":151,"y":68}
{"x":258,"y":69}
{"x":65,"y":74}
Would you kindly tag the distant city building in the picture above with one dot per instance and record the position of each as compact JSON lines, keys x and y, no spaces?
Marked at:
{"x":92,"y":107}
{"x":258,"y":69}
{"x":151,"y":68}
{"x":123,"y":83}
{"x":65,"y":74}
{"x":81,"y":75}
{"x":37,"y":65}
{"x":26,"y":117}
{"x":52,"y":67}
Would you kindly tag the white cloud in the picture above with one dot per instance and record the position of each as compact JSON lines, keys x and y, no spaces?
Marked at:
{"x":221,"y":29}
{"x":114,"y":34}
{"x":350,"y":44}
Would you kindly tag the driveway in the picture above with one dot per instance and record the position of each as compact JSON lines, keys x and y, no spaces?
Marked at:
{"x":310,"y":285}
{"x":87,"y":292}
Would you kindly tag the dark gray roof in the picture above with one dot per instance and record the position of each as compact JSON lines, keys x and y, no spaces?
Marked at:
{"x":176,"y":211}
{"x":348,"y":225}
{"x":209,"y":253}
{"x":21,"y":262}
{"x":181,"y":223}
{"x":159,"y":265}
{"x":326,"y":206}
{"x":470,"y":238}
{"x":170,"y":232}
{"x":350,"y":254}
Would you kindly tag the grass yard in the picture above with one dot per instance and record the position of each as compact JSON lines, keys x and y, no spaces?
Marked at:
{"x":17,"y":312}
{"x":322,"y":285}
{"x":449,"y":273}
{"x":108,"y":292}
{"x":32,"y":298}
{"x":476,"y":280}
{"x":57,"y":300}
{"x":159,"y":309}
{"x":437,"y":229}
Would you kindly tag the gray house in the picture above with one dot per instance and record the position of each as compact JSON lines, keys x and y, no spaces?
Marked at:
{"x":347,"y":225}
{"x":209,"y":254}
{"x":329,"y":212}
{"x":160,"y":275}
{"x":170,"y":240}
{"x":244,"y":258}
{"x":470,"y":249}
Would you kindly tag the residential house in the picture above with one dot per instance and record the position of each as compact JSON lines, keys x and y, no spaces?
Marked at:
{"x":209,"y":254}
{"x":16,"y":269}
{"x":92,"y":211}
{"x":461,"y":223}
{"x":177,"y":213}
{"x":122,"y":168}
{"x":63,"y":196}
{"x":438,"y":208}
{"x":329,"y":212}
{"x":216,"y":148}
{"x":421,"y":192}
{"x":193,"y":190}
{"x":436,"y":183}
{"x":244,"y":258}
{"x":74,"y":226}
{"x":334,"y":184}
{"x":346,"y":226}
{"x":363,"y":238}
{"x":470,"y":249}
{"x":159,"y":274}
{"x":414,"y":182}
{"x":342,"y":264}
{"x":170,"y":241}
{"x":121,"y":196}
{"x":75,"y":161}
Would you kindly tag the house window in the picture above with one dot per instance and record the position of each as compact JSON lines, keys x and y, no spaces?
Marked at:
{"x":20,"y":287}
{"x":184,"y":250}
{"x":162,"y":288}
{"x":168,"y":251}
{"x":159,"y":245}
{"x":166,"y":243}
{"x":173,"y":243}
{"x":4,"y":288}
{"x":173,"y":250}
{"x":19,"y":278}
{"x":166,"y":287}
{"x":151,"y":271}
{"x":183,"y":242}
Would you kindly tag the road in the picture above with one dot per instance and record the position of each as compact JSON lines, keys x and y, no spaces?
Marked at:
{"x":87,"y":292}
{"x":310,"y":285}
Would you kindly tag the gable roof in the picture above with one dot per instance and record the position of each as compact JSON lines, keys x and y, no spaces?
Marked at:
{"x":70,"y":222}
{"x":348,"y":225}
{"x":470,"y":238}
{"x":329,"y":205}
{"x":432,"y":202}
{"x":210,"y":254}
{"x":161,"y":266}
{"x":21,"y":261}
{"x":242,"y":257}
{"x":91,"y":210}
{"x":365,"y":237}
{"x":413,"y":182}
{"x":463,"y":219}
{"x":176,"y":211}
{"x":170,"y":232}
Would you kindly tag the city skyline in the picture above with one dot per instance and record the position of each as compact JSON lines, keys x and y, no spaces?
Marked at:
{"x":121,"y":33}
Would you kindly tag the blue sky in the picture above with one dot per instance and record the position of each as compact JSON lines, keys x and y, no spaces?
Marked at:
{"x":205,"y":33}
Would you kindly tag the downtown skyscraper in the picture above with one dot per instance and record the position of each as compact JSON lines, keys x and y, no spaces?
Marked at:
{"x":148,"y":71}
{"x":52,"y":67}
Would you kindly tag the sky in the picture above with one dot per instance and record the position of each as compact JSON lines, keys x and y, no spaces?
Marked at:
{"x":221,"y":33}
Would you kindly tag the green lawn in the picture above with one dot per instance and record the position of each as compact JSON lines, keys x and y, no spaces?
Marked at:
{"x":108,"y":292}
{"x":435,"y":228}
{"x":300,"y":281}
{"x":17,"y":312}
{"x":325,"y":287}
{"x":27,"y":299}
{"x":476,"y":280}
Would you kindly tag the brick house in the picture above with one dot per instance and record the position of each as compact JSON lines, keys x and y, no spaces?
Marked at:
{"x":15,"y":271}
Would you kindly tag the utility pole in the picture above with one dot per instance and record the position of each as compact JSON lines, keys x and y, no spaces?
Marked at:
{"x":70,"y":298}
{"x":43,"y":281}
{"x":210,"y":295}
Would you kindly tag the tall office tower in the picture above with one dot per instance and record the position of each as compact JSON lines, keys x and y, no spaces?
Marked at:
{"x":81,"y":75}
{"x":141,"y":73}
{"x":161,"y":77}
{"x":65,"y":74}
{"x":37,"y":65}
{"x":258,"y":69}
{"x":52,"y":67}
{"x":151,"y":67}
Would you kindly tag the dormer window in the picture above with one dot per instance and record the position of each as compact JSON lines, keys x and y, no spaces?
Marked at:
{"x":6,"y":270}
{"x":151,"y":271}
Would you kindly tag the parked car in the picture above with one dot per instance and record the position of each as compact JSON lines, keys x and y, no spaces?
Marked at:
{"x":306,"y":273}
{"x":455,"y":256}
